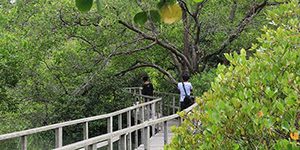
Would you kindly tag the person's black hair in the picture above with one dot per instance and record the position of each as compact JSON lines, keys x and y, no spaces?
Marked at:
{"x":145,"y":78}
{"x":185,"y":77}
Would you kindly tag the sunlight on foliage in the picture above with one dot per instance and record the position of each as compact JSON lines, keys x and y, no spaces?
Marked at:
{"x":171,"y":13}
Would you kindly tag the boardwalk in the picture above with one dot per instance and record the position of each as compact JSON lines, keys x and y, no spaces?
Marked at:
{"x":157,"y":141}
{"x":158,"y":114}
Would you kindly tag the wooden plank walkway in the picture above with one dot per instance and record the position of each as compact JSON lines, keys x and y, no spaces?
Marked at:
{"x":157,"y":141}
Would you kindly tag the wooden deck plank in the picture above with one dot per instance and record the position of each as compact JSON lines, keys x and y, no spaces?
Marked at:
{"x":157,"y":141}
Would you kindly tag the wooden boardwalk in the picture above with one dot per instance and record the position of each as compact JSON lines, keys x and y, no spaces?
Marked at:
{"x":157,"y":141}
{"x":140,"y":119}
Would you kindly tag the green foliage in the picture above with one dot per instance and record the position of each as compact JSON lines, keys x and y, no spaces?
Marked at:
{"x":85,"y":5}
{"x":140,"y":18}
{"x":253,"y":103}
{"x":202,"y":82}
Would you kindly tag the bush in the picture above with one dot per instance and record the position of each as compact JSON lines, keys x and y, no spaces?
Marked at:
{"x":253,"y":103}
{"x":202,"y":82}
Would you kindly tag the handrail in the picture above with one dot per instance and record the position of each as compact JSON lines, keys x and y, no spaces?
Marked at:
{"x":73,"y":122}
{"x":108,"y":136}
{"x":58,"y":127}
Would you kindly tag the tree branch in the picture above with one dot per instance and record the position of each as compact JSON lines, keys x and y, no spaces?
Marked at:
{"x":57,"y":77}
{"x":86,"y":41}
{"x":134,"y":51}
{"x":141,"y":64}
{"x":254,"y":10}
{"x":233,"y":10}
{"x":162,"y":43}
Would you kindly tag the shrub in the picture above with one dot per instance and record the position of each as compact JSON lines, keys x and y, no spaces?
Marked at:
{"x":201,"y":82}
{"x":254,"y":102}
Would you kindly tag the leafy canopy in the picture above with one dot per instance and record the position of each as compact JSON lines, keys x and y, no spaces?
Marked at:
{"x":254,"y":102}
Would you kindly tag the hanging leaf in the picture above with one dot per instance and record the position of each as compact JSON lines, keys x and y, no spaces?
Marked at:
{"x":155,"y":16}
{"x":171,"y":13}
{"x":84,"y":5}
{"x":140,"y":18}
{"x":198,"y":1}
{"x":99,"y":4}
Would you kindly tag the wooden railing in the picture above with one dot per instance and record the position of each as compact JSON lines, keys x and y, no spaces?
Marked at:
{"x":148,"y":110}
{"x":92,"y":142}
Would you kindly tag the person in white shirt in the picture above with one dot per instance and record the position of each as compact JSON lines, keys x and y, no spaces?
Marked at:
{"x":188,"y":90}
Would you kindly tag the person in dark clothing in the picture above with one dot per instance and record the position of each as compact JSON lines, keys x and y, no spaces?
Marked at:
{"x":147,"y":88}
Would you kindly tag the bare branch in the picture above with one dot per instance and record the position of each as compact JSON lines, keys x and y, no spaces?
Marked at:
{"x":233,"y":10}
{"x":134,"y":51}
{"x":254,"y":10}
{"x":199,"y":7}
{"x":162,"y":43}
{"x":86,"y":41}
{"x":86,"y":86}
{"x":57,"y":77}
{"x":141,"y":64}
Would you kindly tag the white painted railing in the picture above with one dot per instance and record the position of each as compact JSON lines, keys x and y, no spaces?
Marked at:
{"x":148,"y":110}
{"x":92,"y":142}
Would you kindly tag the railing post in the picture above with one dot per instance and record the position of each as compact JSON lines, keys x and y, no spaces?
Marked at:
{"x":92,"y":147}
{"x":136,"y":131}
{"x":58,"y":137}
{"x":129,"y":134}
{"x":24,"y":142}
{"x":153,"y":117}
{"x":123,"y":142}
{"x":174,"y":111}
{"x":110,"y":130}
{"x":142,"y":114}
{"x":119,"y":128}
{"x":165,"y":132}
{"x":86,"y":130}
{"x":161,"y":112}
{"x":147,"y":138}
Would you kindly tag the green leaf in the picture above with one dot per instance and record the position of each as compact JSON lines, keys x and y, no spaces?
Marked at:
{"x":198,"y":1}
{"x":84,"y":5}
{"x":140,"y":18}
{"x":155,"y":16}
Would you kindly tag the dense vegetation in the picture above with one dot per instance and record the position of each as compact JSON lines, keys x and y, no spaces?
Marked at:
{"x":62,"y":60}
{"x":254,"y":102}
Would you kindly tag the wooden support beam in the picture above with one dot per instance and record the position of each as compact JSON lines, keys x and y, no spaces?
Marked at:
{"x":147,"y":138}
{"x":142,"y":114}
{"x":58,"y":137}
{"x":136,"y":131}
{"x":129,"y":142}
{"x":119,"y":128}
{"x":153,"y":117}
{"x":92,"y":147}
{"x":86,"y":130}
{"x":110,"y":130}
{"x":165,"y":132}
{"x":123,"y":142}
{"x":24,"y":143}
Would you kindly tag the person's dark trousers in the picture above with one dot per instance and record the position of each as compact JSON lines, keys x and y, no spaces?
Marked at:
{"x":182,"y":106}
